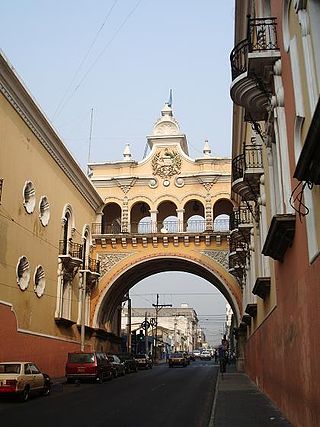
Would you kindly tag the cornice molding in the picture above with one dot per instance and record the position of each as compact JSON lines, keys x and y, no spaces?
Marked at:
{"x":18,"y":96}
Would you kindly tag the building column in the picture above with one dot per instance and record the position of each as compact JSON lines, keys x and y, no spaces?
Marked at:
{"x":153,"y":216}
{"x":180,"y":215}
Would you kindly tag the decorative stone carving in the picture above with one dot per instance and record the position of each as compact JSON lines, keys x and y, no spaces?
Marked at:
{"x":125,"y":215}
{"x":166,"y":163}
{"x":107,"y":261}
{"x":222,"y":257}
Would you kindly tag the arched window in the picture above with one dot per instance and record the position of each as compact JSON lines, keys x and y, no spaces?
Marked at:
{"x":140,"y":220}
{"x":194,"y":216}
{"x":167,"y":220}
{"x":111,"y":220}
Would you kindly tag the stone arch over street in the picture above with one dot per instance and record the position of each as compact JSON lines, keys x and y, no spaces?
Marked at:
{"x":132,"y":268}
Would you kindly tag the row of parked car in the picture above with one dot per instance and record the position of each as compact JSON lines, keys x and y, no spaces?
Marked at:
{"x":22,"y":379}
{"x":99,"y":366}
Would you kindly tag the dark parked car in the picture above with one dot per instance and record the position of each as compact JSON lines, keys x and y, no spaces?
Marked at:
{"x":117,"y":366}
{"x":88,"y":366}
{"x":143,"y":361}
{"x":130,"y":364}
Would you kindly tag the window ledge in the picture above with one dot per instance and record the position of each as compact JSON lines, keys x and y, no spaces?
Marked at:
{"x":262,"y":287}
{"x":280,"y":236}
{"x":251,"y":309}
{"x":64,"y":321}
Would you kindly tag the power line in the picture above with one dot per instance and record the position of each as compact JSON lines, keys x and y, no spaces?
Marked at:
{"x":100,"y":54}
{"x":83,"y":60}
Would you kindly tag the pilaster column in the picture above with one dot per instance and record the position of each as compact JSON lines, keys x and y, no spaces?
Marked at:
{"x":180,"y":215}
{"x":153,"y":215}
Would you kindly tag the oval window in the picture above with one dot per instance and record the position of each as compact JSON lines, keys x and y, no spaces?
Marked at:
{"x":23,"y":273}
{"x":39,"y":281}
{"x":29,"y":197}
{"x":44,"y":209}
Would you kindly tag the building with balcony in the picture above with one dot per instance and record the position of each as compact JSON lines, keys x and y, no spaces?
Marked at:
{"x":47,"y":206}
{"x":275,"y":225}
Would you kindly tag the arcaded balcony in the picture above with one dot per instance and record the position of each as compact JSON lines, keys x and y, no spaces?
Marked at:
{"x":246,"y":171}
{"x":162,"y":227}
{"x":252,"y":63}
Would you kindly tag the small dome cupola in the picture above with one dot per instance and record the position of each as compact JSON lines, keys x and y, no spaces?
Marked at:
{"x":167,"y":125}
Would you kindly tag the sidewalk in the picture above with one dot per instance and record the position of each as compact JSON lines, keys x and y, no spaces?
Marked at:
{"x":239,"y":403}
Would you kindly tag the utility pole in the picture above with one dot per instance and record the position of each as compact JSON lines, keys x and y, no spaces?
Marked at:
{"x":83,"y":310}
{"x":158,"y":307}
{"x":146,"y":333}
{"x":127,"y":298}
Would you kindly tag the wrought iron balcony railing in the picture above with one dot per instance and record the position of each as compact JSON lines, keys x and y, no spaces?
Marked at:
{"x":92,"y":265}
{"x":251,"y":158}
{"x":262,"y":36}
{"x":74,"y":250}
{"x":241,"y":217}
{"x":238,"y":164}
{"x":150,"y":227}
{"x":237,"y":245}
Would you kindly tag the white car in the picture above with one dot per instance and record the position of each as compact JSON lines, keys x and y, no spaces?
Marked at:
{"x":21,"y":379}
{"x":197,"y":353}
{"x":205,"y":355}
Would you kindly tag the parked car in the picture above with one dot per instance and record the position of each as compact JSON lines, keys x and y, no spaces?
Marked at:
{"x":205,"y":355}
{"x":130,"y":364}
{"x":23,"y":379}
{"x":192,"y":356}
{"x":177,"y":359}
{"x":187,"y":356}
{"x":197,"y":354}
{"x":143,"y":361}
{"x":117,"y":366}
{"x":88,"y":366}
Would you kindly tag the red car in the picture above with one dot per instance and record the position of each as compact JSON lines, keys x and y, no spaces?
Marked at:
{"x":93,"y":366}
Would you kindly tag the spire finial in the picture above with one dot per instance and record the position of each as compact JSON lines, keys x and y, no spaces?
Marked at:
{"x":206,"y":149}
{"x":170,"y":98}
{"x":127,"y":152}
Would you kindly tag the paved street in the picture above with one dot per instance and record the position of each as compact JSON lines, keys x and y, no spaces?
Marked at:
{"x":158,"y":397}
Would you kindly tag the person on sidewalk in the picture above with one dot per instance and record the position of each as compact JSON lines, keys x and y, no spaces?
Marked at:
{"x":223,"y":354}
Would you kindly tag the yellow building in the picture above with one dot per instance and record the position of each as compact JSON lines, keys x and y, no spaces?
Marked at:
{"x":47,"y":206}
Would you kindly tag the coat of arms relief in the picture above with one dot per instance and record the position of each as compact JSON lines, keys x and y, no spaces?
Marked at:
{"x":166,"y":163}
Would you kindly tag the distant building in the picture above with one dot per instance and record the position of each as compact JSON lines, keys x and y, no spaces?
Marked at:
{"x":177,"y":327}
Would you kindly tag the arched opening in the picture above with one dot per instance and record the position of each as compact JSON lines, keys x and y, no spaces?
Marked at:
{"x":194,"y":216}
{"x":111,"y":220}
{"x":140,"y":220}
{"x":110,"y":299}
{"x":167,"y":220}
{"x":222,"y":209}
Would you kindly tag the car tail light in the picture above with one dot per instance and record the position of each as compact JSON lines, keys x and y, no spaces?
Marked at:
{"x":12,"y":383}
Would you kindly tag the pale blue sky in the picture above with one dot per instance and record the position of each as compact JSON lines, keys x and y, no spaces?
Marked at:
{"x":121,"y":58}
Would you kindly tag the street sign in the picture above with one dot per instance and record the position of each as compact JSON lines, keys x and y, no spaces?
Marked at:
{"x":145,"y":324}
